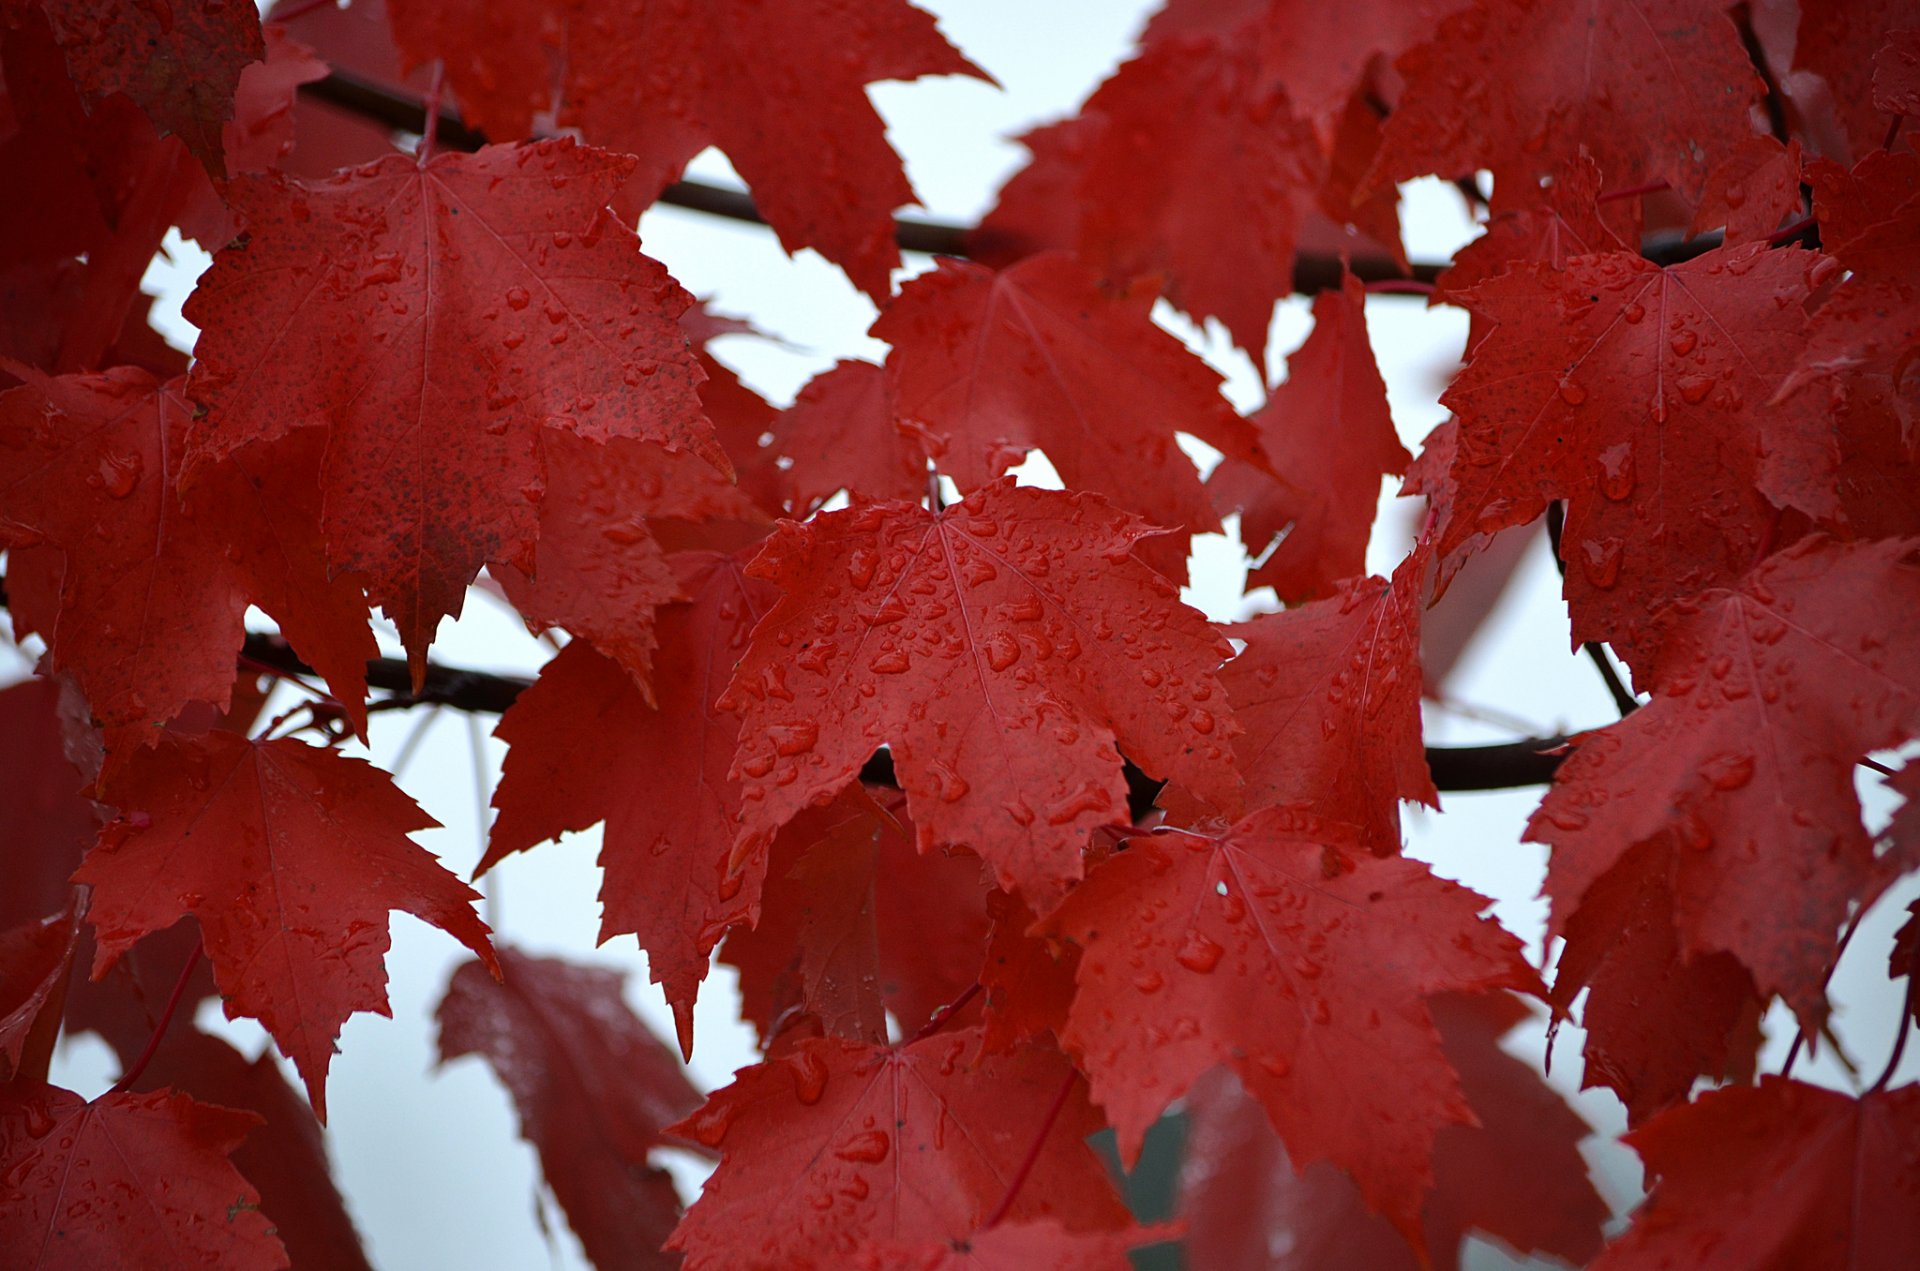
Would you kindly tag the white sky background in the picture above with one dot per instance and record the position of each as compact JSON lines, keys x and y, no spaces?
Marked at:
{"x":431,"y":1162}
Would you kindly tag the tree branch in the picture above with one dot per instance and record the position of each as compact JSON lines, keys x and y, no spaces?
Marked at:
{"x":1456,"y":769}
{"x":403,"y":112}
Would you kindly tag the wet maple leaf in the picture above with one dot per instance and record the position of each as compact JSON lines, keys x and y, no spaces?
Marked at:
{"x":1330,"y":696}
{"x":837,"y":1144}
{"x":290,"y":856}
{"x":1656,"y":1018}
{"x":839,"y":434}
{"x":285,"y":1158}
{"x":1896,"y":74}
{"x":35,"y":958}
{"x":1327,"y":433}
{"x":854,"y":924}
{"x":1751,"y":190}
{"x":1516,"y":1174}
{"x":1001,"y":648}
{"x":1638,"y":395}
{"x":1547,"y":224}
{"x":128,"y":1180}
{"x":155,"y":584}
{"x":598,"y":570}
{"x":1843,"y":44}
{"x":1281,"y":949}
{"x":1784,"y":1174}
{"x":179,"y":61}
{"x":1652,"y":89}
{"x":584,"y":745}
{"x":593,"y":1088}
{"x":436,"y":318}
{"x":988,"y":365}
{"x":664,"y":81}
{"x":1015,"y":1246}
{"x":1743,"y":762}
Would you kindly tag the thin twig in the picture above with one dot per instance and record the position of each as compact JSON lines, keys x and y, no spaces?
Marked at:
{"x":1623,"y":699}
{"x":945,"y":1013}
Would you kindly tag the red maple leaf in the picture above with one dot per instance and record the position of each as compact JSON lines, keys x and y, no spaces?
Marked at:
{"x":977,"y":644}
{"x":1327,"y":433}
{"x":1652,"y":89}
{"x":854,"y":923}
{"x":839,"y":434}
{"x":1280,"y":949}
{"x":436,"y":318}
{"x":1534,"y":223}
{"x":664,"y":82}
{"x":1785,"y":1175}
{"x":989,"y":365}
{"x":179,"y":61}
{"x":155,"y":584}
{"x":1516,"y":1174}
{"x":285,"y":1158}
{"x":594,"y":1089}
{"x":1657,"y":1016}
{"x":837,"y":1144}
{"x":1015,"y":1246}
{"x":128,"y":1180}
{"x":1330,"y":696}
{"x":1742,"y":764}
{"x":585,"y":745}
{"x":598,"y":570}
{"x":290,"y":856}
{"x":1637,"y":394}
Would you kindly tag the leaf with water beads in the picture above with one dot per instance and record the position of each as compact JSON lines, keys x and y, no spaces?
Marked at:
{"x":1280,"y":948}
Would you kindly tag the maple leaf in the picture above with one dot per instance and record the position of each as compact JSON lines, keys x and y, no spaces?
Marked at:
{"x":1657,"y":1017}
{"x":1751,"y":190}
{"x":988,"y":365}
{"x":126,"y":1180}
{"x":1516,"y":1174}
{"x":1784,"y":1174}
{"x":593,"y":1089}
{"x":290,"y":856}
{"x":1652,"y":89}
{"x":1843,"y":45}
{"x":839,"y":434}
{"x":1548,"y":225}
{"x":1327,"y":432}
{"x":663,"y":82}
{"x":1637,"y":394}
{"x":155,"y":584}
{"x":44,"y":819}
{"x":285,"y":1158}
{"x":1016,"y":1246}
{"x":1330,"y":696}
{"x":1028,"y":980}
{"x":180,"y":61}
{"x":977,"y":645}
{"x":838,"y":1143}
{"x":598,"y":570}
{"x":1896,"y":75}
{"x":35,"y":959}
{"x":437,"y":317}
{"x":1279,"y":950}
{"x":584,"y":745}
{"x":854,"y":923}
{"x":1743,"y":762}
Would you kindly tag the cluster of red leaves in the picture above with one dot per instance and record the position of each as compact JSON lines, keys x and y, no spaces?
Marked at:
{"x":414,"y":366}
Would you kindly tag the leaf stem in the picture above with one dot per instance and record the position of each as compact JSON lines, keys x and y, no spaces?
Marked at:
{"x":1398,"y":286}
{"x":945,"y":1013}
{"x":1632,"y":191}
{"x":1839,"y":951}
{"x":1033,"y":1152}
{"x":160,"y":1029}
{"x":1900,"y":1042}
{"x":1623,"y":700}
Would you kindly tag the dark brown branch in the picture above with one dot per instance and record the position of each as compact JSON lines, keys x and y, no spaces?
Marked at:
{"x":1456,"y":769}
{"x":1312,"y":271}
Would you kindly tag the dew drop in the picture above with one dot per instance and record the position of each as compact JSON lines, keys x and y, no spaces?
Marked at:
{"x":809,"y":1073}
{"x":711,"y":1124}
{"x":517,"y":298}
{"x":868,"y":1147}
{"x":1002,"y":650}
{"x":119,"y":474}
{"x":1600,"y":561}
{"x":1199,"y":953}
{"x":1683,"y":341}
{"x":890,"y":662}
{"x":1729,"y":771}
{"x":1694,"y":388}
{"x":796,"y":738}
{"x":1571,"y":393}
{"x":1616,"y":471}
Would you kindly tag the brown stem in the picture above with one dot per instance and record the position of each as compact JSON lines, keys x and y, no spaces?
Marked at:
{"x":160,"y":1029}
{"x":1033,"y":1152}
